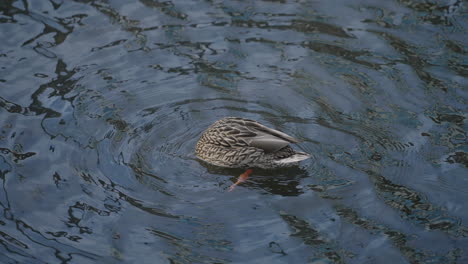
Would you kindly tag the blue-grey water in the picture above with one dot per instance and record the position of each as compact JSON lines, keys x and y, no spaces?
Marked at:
{"x":102,"y":102}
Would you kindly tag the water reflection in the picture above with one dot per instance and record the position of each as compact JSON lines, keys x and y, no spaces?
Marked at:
{"x":283,"y":181}
{"x":102,"y":102}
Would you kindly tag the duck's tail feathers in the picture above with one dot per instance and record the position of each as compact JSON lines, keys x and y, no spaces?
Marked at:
{"x":298,"y":156}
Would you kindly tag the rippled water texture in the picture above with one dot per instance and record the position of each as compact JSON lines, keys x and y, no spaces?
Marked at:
{"x":102,"y":103}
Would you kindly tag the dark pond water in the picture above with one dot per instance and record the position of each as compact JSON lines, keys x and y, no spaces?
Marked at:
{"x":102,"y":103}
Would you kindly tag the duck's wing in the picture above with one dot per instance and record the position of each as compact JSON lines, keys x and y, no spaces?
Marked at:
{"x":257,"y":135}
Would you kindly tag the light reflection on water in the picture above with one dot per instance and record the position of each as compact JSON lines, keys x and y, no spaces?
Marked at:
{"x":102,"y":104}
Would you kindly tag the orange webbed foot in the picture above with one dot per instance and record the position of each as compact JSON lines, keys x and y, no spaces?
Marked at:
{"x":242,"y":178}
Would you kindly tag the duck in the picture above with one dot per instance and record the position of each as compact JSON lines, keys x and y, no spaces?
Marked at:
{"x":235,"y":142}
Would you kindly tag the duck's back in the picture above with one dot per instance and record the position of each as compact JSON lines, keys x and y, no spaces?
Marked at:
{"x":239,"y":142}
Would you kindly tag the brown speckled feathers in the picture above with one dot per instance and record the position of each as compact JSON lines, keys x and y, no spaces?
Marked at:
{"x":238,"y":142}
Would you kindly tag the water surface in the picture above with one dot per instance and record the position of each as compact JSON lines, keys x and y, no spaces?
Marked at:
{"x":102,"y":103}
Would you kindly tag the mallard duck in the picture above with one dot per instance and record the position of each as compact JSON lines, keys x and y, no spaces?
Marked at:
{"x":235,"y":142}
